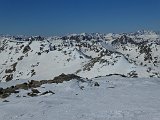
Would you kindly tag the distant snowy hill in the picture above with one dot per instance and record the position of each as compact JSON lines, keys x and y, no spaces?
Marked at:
{"x":86,"y":55}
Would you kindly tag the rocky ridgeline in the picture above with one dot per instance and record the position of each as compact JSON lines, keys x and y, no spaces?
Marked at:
{"x":33,"y":84}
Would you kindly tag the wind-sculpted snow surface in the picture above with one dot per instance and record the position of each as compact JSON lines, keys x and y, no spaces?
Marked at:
{"x":104,"y":98}
{"x":86,"y":55}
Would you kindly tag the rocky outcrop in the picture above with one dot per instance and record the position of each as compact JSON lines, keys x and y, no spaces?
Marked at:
{"x":33,"y":84}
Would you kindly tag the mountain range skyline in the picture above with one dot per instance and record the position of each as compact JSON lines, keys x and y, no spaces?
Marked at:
{"x":59,"y":17}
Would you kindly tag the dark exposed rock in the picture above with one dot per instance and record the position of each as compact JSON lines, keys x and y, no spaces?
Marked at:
{"x":124,"y":40}
{"x":5,"y":101}
{"x":133,"y":74}
{"x":10,"y":90}
{"x":91,"y":64}
{"x":34,"y":84}
{"x":9,"y":77}
{"x":1,"y":91}
{"x":61,"y":78}
{"x":22,"y":86}
{"x":39,"y":53}
{"x":20,"y":58}
{"x":13,"y":68}
{"x":44,"y":81}
{"x":26,"y":49}
{"x":33,"y":73}
{"x":16,"y":91}
{"x":35,"y":91}
{"x":96,"y":84}
{"x":4,"y":93}
{"x":21,"y":46}
{"x":32,"y":94}
{"x":47,"y":92}
{"x":18,"y":96}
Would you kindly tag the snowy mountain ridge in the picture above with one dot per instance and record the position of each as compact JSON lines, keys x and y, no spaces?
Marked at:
{"x":86,"y":55}
{"x":80,"y":77}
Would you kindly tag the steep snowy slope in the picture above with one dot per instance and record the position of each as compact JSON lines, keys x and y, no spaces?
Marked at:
{"x":34,"y":59}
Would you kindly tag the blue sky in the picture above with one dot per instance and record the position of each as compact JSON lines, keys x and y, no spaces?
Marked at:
{"x":57,"y":17}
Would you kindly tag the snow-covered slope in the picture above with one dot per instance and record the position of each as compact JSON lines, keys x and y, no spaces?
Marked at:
{"x":80,"y":77}
{"x":87,"y":55}
{"x":114,"y":99}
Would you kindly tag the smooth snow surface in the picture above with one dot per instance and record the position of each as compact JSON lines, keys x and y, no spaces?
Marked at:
{"x":115,"y":99}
